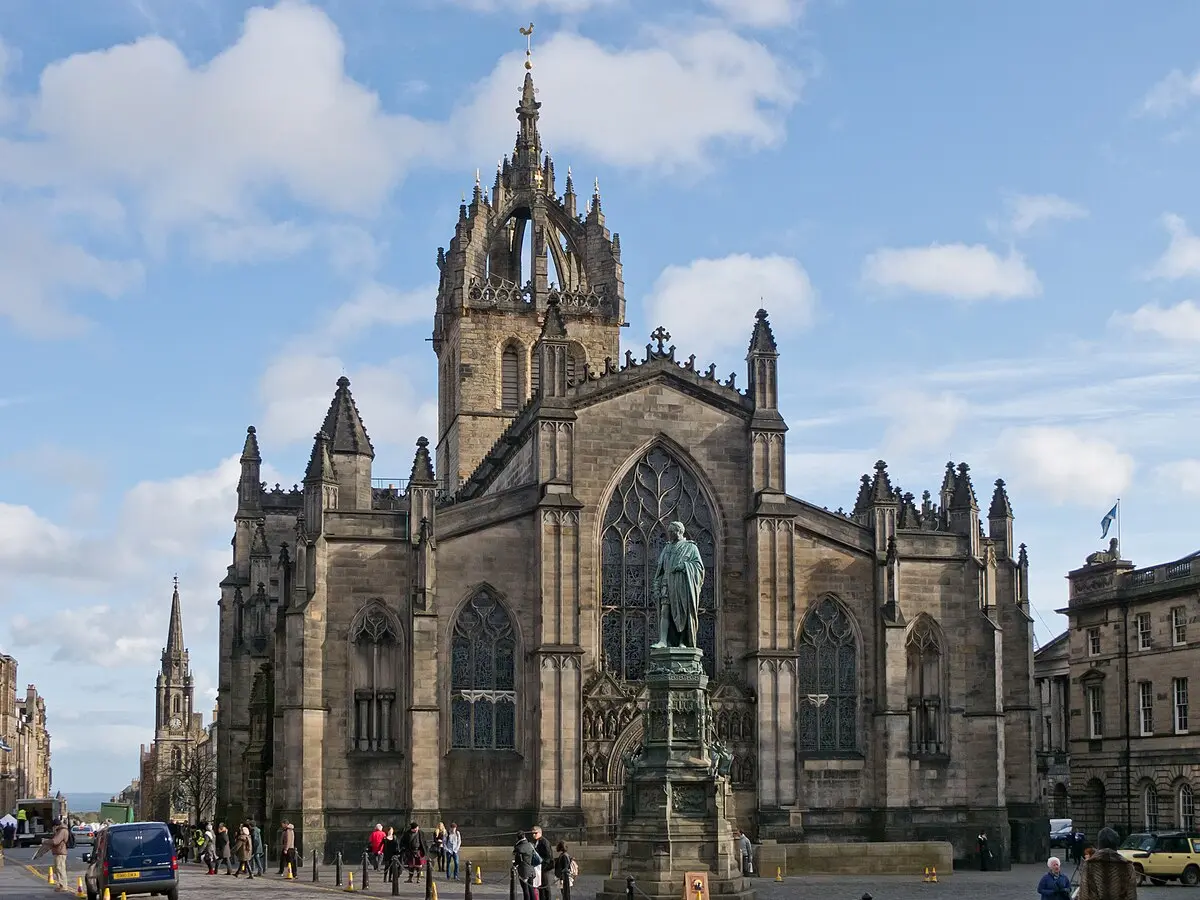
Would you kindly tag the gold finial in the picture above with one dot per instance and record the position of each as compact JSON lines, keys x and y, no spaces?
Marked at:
{"x":528,"y":32}
{"x":537,"y":177}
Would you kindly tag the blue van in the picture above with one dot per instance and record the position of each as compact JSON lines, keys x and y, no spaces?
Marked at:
{"x":134,"y":858}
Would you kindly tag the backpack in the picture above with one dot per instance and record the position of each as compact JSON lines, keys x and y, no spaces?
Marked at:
{"x":574,"y":870}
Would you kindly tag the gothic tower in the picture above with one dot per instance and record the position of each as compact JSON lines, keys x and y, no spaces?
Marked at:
{"x":511,"y":253}
{"x":173,"y":699}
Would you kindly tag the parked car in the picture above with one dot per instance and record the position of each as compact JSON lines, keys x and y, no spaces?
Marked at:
{"x":133,"y":858}
{"x":83,"y":834}
{"x":1061,"y":831}
{"x":1164,"y":856}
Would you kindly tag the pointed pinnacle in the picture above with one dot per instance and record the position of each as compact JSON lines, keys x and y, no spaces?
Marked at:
{"x":250,"y":448}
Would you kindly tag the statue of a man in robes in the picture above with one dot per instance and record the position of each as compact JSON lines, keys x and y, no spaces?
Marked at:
{"x":678,"y":578}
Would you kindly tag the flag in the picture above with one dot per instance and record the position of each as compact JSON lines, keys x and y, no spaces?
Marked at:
{"x":1106,"y":522}
{"x":4,"y":746}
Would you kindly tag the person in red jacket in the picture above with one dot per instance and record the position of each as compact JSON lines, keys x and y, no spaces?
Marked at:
{"x":375,"y":846}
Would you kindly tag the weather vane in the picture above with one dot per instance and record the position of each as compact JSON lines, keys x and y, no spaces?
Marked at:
{"x":528,"y":32}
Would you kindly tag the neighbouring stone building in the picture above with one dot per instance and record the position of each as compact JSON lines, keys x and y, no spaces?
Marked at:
{"x":24,"y":767}
{"x":171,"y":770}
{"x":1134,"y":656}
{"x":470,"y":644}
{"x":1052,"y":678}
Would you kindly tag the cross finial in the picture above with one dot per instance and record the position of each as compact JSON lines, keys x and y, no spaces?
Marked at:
{"x":661,"y":335}
{"x":528,"y":32}
{"x":175,"y":581}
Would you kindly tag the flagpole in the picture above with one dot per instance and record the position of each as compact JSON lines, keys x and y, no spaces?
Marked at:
{"x":1120,"y":546}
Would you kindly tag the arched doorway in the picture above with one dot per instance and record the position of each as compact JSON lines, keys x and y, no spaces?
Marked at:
{"x":1061,"y":803}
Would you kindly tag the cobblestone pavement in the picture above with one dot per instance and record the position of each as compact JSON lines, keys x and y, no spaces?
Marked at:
{"x":18,"y":881}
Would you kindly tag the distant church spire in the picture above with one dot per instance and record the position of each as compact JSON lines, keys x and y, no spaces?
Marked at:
{"x":175,"y":647}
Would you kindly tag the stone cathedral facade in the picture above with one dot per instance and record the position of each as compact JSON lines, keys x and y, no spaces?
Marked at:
{"x":470,"y":645}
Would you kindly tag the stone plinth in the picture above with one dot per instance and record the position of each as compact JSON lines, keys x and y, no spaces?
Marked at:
{"x":673,"y":819}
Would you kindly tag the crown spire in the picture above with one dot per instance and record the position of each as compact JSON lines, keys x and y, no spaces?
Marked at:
{"x":529,"y":143}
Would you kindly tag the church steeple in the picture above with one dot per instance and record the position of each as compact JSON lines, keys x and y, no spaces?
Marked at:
{"x":528,"y":153}
{"x":175,"y":652}
{"x":174,"y":685}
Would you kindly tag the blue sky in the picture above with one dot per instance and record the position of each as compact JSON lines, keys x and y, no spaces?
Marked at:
{"x":974,"y":226}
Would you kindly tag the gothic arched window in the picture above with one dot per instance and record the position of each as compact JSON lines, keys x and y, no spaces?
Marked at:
{"x":827,"y":676}
{"x":924,"y":654}
{"x":1186,"y":808}
{"x":576,"y":363}
{"x":176,"y":758}
{"x":483,"y":677}
{"x":1150,"y":807}
{"x":374,"y":655}
{"x":177,"y":704}
{"x":510,"y":379}
{"x":654,"y":493}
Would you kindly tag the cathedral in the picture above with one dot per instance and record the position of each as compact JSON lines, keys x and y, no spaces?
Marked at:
{"x":469,"y":645}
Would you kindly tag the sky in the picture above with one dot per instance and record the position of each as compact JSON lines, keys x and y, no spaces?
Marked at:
{"x":976,"y":228}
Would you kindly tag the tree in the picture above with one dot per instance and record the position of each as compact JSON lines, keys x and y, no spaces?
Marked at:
{"x":196,"y":782}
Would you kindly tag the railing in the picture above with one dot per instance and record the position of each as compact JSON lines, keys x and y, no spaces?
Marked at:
{"x":399,"y":485}
{"x":1137,"y":579}
{"x":1180,"y":569}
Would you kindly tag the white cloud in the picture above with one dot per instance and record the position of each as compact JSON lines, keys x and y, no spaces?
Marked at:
{"x":665,"y":104}
{"x":376,"y":304}
{"x":761,"y":13}
{"x":276,"y":109}
{"x":296,"y":391}
{"x":95,"y":635}
{"x":961,"y":271}
{"x":708,"y":304}
{"x":1027,"y":211}
{"x":29,"y":542}
{"x":1180,"y":322}
{"x":1182,"y":256}
{"x":554,"y":6}
{"x":1181,"y":476}
{"x":39,"y":271}
{"x":1065,"y":465}
{"x":921,"y":421}
{"x":1171,"y":94}
{"x":234,"y":243}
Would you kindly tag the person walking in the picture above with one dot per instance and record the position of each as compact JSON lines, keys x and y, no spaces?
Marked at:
{"x":528,"y":865}
{"x":439,"y":846}
{"x":224,"y":851}
{"x":258,"y":856}
{"x":453,"y":847}
{"x":391,"y":855}
{"x":545,"y":873}
{"x":287,"y":849}
{"x":244,"y":850}
{"x":1106,"y":874}
{"x":1054,"y":884}
{"x":412,"y":850}
{"x":60,"y":837}
{"x":209,"y":856}
{"x":375,"y":846}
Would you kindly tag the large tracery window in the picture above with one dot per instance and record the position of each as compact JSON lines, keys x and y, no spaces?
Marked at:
{"x":654,"y":493}
{"x":483,"y":677}
{"x":374,"y":658}
{"x":924,"y":689}
{"x":828,"y":681}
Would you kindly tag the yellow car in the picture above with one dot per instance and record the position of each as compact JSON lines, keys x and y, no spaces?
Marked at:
{"x":1164,"y":856}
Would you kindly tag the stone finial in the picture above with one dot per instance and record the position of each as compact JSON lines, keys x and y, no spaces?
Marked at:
{"x":1023,"y":557}
{"x":258,"y":544}
{"x":344,"y":426}
{"x":320,"y":462}
{"x":964,"y":491}
{"x":250,"y":448}
{"x":553,"y":328}
{"x":1000,"y":508}
{"x":948,"y":479}
{"x":422,"y":467}
{"x":762,"y":339}
{"x":863,"y":501}
{"x":881,"y":485}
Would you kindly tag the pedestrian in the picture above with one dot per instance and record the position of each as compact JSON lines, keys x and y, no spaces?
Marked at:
{"x":258,"y":856}
{"x":224,"y":851}
{"x":244,"y":850}
{"x":375,"y":846}
{"x":566,"y":870}
{"x":287,"y":849}
{"x":1054,"y":884}
{"x":453,"y":847}
{"x":528,"y":864}
{"x":210,"y":848}
{"x":391,"y":855}
{"x":412,"y":850}
{"x":545,"y":873}
{"x":745,"y":852}
{"x":60,"y":837}
{"x":439,"y":846}
{"x":985,"y":854}
{"x":1106,"y":874}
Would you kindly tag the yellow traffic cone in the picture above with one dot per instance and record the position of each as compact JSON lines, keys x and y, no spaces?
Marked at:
{"x":433,"y":889}
{"x":123,"y":897}
{"x":779,"y":874}
{"x":478,"y":876}
{"x":350,"y":883}
{"x":289,"y":876}
{"x":50,"y":874}
{"x":79,"y":891}
{"x":933,"y":875}
{"x":107,"y":895}
{"x":925,"y":880}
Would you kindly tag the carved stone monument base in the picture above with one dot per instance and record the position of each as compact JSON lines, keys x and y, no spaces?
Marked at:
{"x":673,"y":820}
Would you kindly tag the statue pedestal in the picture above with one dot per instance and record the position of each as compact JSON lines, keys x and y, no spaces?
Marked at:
{"x":673,"y":820}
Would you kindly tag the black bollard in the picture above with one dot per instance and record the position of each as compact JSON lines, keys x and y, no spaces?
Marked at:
{"x":467,"y":896}
{"x":314,"y":867}
{"x":337,"y":869}
{"x":512,"y":883}
{"x":629,"y":886}
{"x":395,"y":876}
{"x":867,"y":897}
{"x":428,"y":879}
{"x":366,"y":879}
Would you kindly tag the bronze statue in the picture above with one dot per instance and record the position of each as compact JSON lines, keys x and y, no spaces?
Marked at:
{"x":1100,"y":556}
{"x":678,"y":578}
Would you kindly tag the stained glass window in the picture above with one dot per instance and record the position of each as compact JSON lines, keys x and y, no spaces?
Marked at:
{"x":924,"y":688}
{"x":828,"y":680}
{"x":654,"y":493}
{"x":483,"y":698}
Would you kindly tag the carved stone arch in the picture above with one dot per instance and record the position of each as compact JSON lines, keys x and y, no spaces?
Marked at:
{"x":829,"y":679}
{"x":484,"y":645}
{"x":1149,"y":804}
{"x":375,"y":678}
{"x":371,"y":616}
{"x":629,"y":739}
{"x":926,"y":683}
{"x":658,"y":483}
{"x":1183,"y":799}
